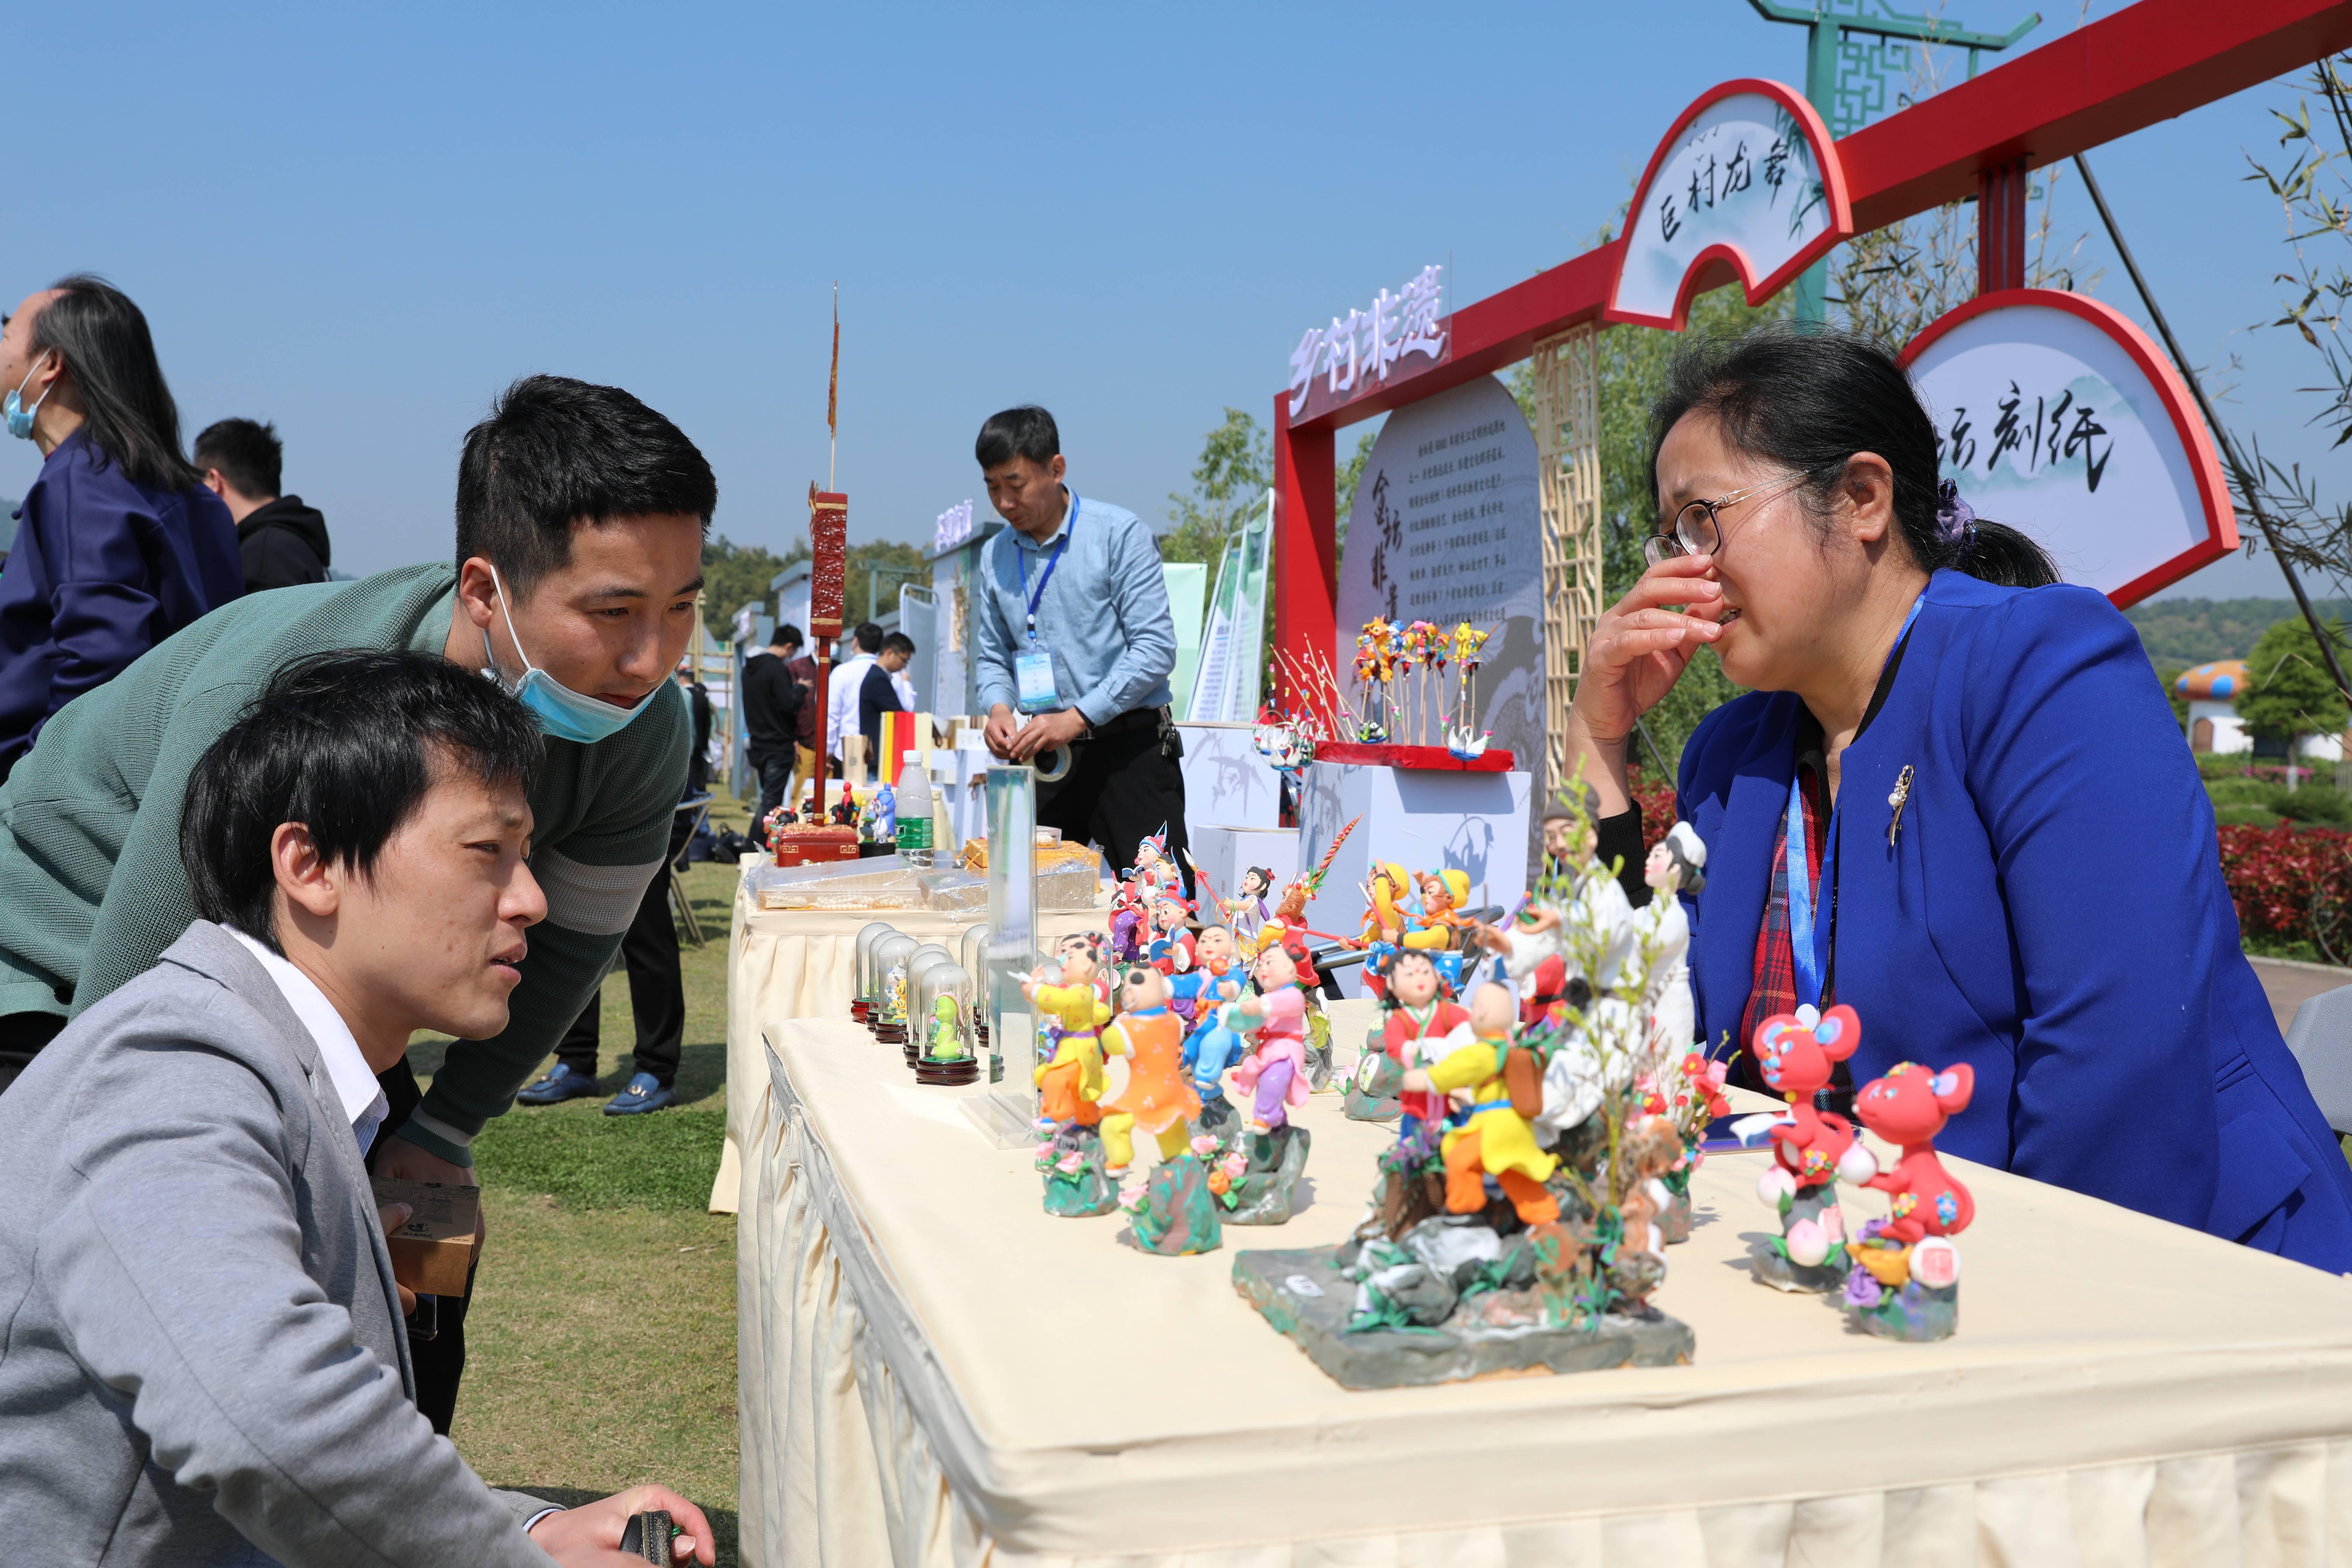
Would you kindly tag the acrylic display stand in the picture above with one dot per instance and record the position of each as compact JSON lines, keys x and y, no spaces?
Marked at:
{"x":1007,"y":1112}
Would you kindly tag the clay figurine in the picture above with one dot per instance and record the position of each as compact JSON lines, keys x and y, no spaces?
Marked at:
{"x":1675,"y":865}
{"x":1423,"y":1024}
{"x":1797,"y":1058}
{"x":1274,"y":1071}
{"x":1173,"y":1212}
{"x":1211,"y":1051}
{"x":1212,"y":979}
{"x":1070,"y":1088}
{"x":1905,"y":1279}
{"x":946,"y":1058}
{"x":1495,"y":1137}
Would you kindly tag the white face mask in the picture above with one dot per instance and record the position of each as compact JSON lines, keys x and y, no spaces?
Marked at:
{"x":561,"y":712}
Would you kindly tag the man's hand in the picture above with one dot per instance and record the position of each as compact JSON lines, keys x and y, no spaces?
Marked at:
{"x":1000,"y":730}
{"x":410,"y":1164}
{"x":392,"y":1216}
{"x":1047,"y":730}
{"x":590,"y":1533}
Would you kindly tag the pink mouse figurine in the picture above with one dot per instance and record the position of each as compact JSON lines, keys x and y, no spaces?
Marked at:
{"x":1795,"y":1060}
{"x":1908,"y":1107}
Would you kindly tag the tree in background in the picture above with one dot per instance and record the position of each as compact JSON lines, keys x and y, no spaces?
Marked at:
{"x":2288,"y":692}
{"x":2312,"y":179}
{"x":1229,"y":486}
{"x":734,"y":575}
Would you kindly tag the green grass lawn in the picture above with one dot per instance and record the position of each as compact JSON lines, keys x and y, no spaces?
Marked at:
{"x":600,"y":1345}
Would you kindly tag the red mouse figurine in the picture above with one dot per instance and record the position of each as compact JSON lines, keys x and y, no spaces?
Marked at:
{"x":1908,"y":1107}
{"x":1796,"y":1059}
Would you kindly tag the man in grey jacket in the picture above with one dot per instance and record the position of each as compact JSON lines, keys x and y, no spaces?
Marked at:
{"x":202,"y":1358}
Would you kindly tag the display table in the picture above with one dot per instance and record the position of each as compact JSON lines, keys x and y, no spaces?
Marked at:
{"x":932,"y":1371}
{"x":798,"y":963}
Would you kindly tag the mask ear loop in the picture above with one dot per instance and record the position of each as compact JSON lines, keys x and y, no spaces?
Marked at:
{"x":492,"y":654}
{"x":29,"y":374}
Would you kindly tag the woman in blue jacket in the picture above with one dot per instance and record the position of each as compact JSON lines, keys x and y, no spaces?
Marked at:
{"x":118,"y":545}
{"x":2004,"y":855}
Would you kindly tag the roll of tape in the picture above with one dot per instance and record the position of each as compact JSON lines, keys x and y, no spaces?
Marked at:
{"x":1052,"y":766}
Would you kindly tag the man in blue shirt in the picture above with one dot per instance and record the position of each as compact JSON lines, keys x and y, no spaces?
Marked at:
{"x":1074,"y":645}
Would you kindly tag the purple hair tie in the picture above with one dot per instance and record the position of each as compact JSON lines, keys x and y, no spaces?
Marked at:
{"x":1955,"y":518}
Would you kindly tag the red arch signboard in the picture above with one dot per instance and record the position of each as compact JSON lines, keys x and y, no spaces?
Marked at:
{"x":1746,"y":188}
{"x":2148,"y":62}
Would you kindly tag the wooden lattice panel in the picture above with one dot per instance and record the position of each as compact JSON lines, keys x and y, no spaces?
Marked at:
{"x":1568,"y":447}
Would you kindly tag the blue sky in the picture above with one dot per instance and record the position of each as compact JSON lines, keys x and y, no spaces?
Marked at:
{"x":361,"y":222}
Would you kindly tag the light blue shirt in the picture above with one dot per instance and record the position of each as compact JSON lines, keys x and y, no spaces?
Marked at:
{"x":1103,"y":616}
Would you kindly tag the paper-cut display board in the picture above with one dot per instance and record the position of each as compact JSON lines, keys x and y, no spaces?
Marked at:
{"x":2056,"y":415}
{"x":1745,"y":186}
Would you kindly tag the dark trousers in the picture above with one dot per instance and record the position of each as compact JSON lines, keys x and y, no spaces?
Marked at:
{"x":22,"y":1036}
{"x":657,"y":992}
{"x":440,"y":1361}
{"x":774,"y":769}
{"x":1119,"y":791}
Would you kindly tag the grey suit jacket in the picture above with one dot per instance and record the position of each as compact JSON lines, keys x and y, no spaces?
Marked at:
{"x":202,"y":1359}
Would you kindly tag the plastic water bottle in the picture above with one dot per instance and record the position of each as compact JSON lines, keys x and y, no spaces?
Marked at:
{"x":914,"y":801}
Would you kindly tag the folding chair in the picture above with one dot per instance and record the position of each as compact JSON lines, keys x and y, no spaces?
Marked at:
{"x":695,"y":809}
{"x":2321,"y":1040}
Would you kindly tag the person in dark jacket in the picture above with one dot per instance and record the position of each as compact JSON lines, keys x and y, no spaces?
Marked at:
{"x":878,"y":693}
{"x":776,"y":709}
{"x":118,"y":545}
{"x":281,"y":541}
{"x":697,"y":707}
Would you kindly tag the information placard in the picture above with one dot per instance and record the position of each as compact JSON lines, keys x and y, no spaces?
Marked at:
{"x":1446,"y":528}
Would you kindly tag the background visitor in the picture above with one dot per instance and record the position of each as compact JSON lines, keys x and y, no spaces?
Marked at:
{"x":118,"y":545}
{"x":281,"y":541}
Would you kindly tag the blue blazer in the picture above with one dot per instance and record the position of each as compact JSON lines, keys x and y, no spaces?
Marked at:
{"x":101,"y":570}
{"x":2052,"y":912}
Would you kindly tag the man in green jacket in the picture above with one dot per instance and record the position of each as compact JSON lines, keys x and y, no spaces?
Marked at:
{"x":581,"y":515}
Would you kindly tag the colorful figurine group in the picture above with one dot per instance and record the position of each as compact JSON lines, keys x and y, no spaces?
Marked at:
{"x":1400,"y":672}
{"x":1544,"y":1139}
{"x":1898,"y":1277}
{"x":1182,"y":1020}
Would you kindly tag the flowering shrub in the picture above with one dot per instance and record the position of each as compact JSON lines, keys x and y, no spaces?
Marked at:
{"x":1657,"y":804}
{"x":2291,"y":885}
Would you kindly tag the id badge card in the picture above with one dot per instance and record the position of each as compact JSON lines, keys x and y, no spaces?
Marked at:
{"x":1033,"y":674}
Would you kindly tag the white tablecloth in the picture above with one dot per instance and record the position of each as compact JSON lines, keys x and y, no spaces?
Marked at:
{"x":935,"y":1372}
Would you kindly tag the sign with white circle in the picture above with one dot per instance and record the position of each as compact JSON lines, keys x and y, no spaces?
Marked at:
{"x":1746,"y":187}
{"x":2056,"y":414}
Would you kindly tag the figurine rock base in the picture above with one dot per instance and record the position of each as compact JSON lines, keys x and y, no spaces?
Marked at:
{"x":1914,"y":1313}
{"x":1218,"y":1119}
{"x":1812,"y":1213}
{"x":1675,"y":1219}
{"x":1266,"y":1193}
{"x":1373,"y":1087}
{"x":1501,"y":1333}
{"x":1177,"y":1216}
{"x":1076,"y":1187}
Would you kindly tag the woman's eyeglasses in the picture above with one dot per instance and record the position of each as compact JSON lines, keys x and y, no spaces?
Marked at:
{"x":1698,"y":527}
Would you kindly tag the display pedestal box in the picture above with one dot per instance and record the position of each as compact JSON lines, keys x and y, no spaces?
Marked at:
{"x":1422,"y":819}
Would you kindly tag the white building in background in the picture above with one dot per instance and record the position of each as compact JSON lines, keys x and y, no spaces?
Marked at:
{"x":2213,"y":723}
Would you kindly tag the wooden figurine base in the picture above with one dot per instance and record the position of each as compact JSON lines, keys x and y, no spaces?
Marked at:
{"x":1503,"y":1333}
{"x":963,"y":1070}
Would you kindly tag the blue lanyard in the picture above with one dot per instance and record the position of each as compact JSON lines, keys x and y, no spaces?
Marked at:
{"x":1069,"y":526}
{"x":1811,"y":961}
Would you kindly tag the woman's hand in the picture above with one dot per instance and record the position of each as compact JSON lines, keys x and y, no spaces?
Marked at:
{"x":1637,"y":652}
{"x":1640,"y":648}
